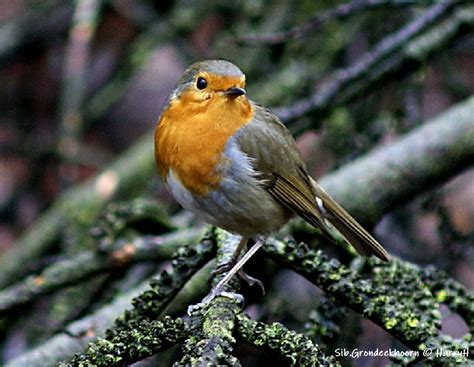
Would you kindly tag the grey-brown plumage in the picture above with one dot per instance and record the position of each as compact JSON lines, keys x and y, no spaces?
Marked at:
{"x":283,"y":174}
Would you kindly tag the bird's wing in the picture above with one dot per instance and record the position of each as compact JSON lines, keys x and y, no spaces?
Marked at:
{"x":280,"y":166}
{"x":283,"y":173}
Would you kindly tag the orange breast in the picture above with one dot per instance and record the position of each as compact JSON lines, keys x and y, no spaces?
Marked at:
{"x":191,"y":136}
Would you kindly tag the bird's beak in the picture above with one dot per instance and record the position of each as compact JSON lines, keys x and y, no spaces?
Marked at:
{"x":234,"y":92}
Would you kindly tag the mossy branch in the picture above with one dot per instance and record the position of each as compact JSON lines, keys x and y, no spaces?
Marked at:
{"x":392,"y":295}
{"x":210,"y":339}
{"x":126,"y":338}
{"x":77,"y":335}
{"x":298,"y":349}
{"x":147,"y":337}
{"x":67,"y":272}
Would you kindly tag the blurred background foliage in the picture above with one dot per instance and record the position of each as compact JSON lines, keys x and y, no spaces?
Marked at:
{"x":82,"y":81}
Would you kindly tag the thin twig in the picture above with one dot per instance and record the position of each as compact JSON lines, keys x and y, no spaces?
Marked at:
{"x":340,"y":12}
{"x":342,"y":79}
{"x":88,"y":264}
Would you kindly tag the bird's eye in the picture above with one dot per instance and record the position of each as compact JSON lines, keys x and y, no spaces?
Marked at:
{"x":201,"y":83}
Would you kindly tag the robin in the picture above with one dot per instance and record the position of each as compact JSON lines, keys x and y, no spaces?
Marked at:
{"x":234,"y":164}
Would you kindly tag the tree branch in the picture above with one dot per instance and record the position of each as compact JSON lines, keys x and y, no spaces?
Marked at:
{"x":78,"y":334}
{"x":300,"y":350}
{"x":83,"y":204}
{"x":339,"y":12}
{"x":127,"y":346}
{"x":209,"y":340}
{"x":147,"y":337}
{"x":212,"y":326}
{"x":75,"y":78}
{"x":88,"y":264}
{"x":388,"y":56}
{"x":387,"y":177}
{"x":395,"y":298}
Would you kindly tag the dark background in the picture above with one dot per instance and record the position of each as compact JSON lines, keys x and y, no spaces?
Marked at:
{"x":74,"y":96}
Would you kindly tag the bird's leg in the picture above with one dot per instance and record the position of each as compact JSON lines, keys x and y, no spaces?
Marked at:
{"x":224,"y":267}
{"x":219,"y":288}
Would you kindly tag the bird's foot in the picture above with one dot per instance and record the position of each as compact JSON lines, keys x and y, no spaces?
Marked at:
{"x":223,"y":268}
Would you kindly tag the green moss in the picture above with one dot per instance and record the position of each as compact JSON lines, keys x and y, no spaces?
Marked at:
{"x":451,"y":293}
{"x":412,"y":322}
{"x":390,"y":294}
{"x":144,"y":340}
{"x":390,"y":323}
{"x":298,"y":349}
{"x":441,"y":295}
{"x":212,"y":335}
{"x":137,"y":333}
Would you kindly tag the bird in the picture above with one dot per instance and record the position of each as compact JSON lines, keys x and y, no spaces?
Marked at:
{"x":235,"y":165}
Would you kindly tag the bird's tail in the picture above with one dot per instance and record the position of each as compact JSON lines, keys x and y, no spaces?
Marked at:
{"x":354,"y":233}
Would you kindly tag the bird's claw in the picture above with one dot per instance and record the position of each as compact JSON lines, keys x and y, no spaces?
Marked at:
{"x":251,"y":281}
{"x":222,"y":268}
